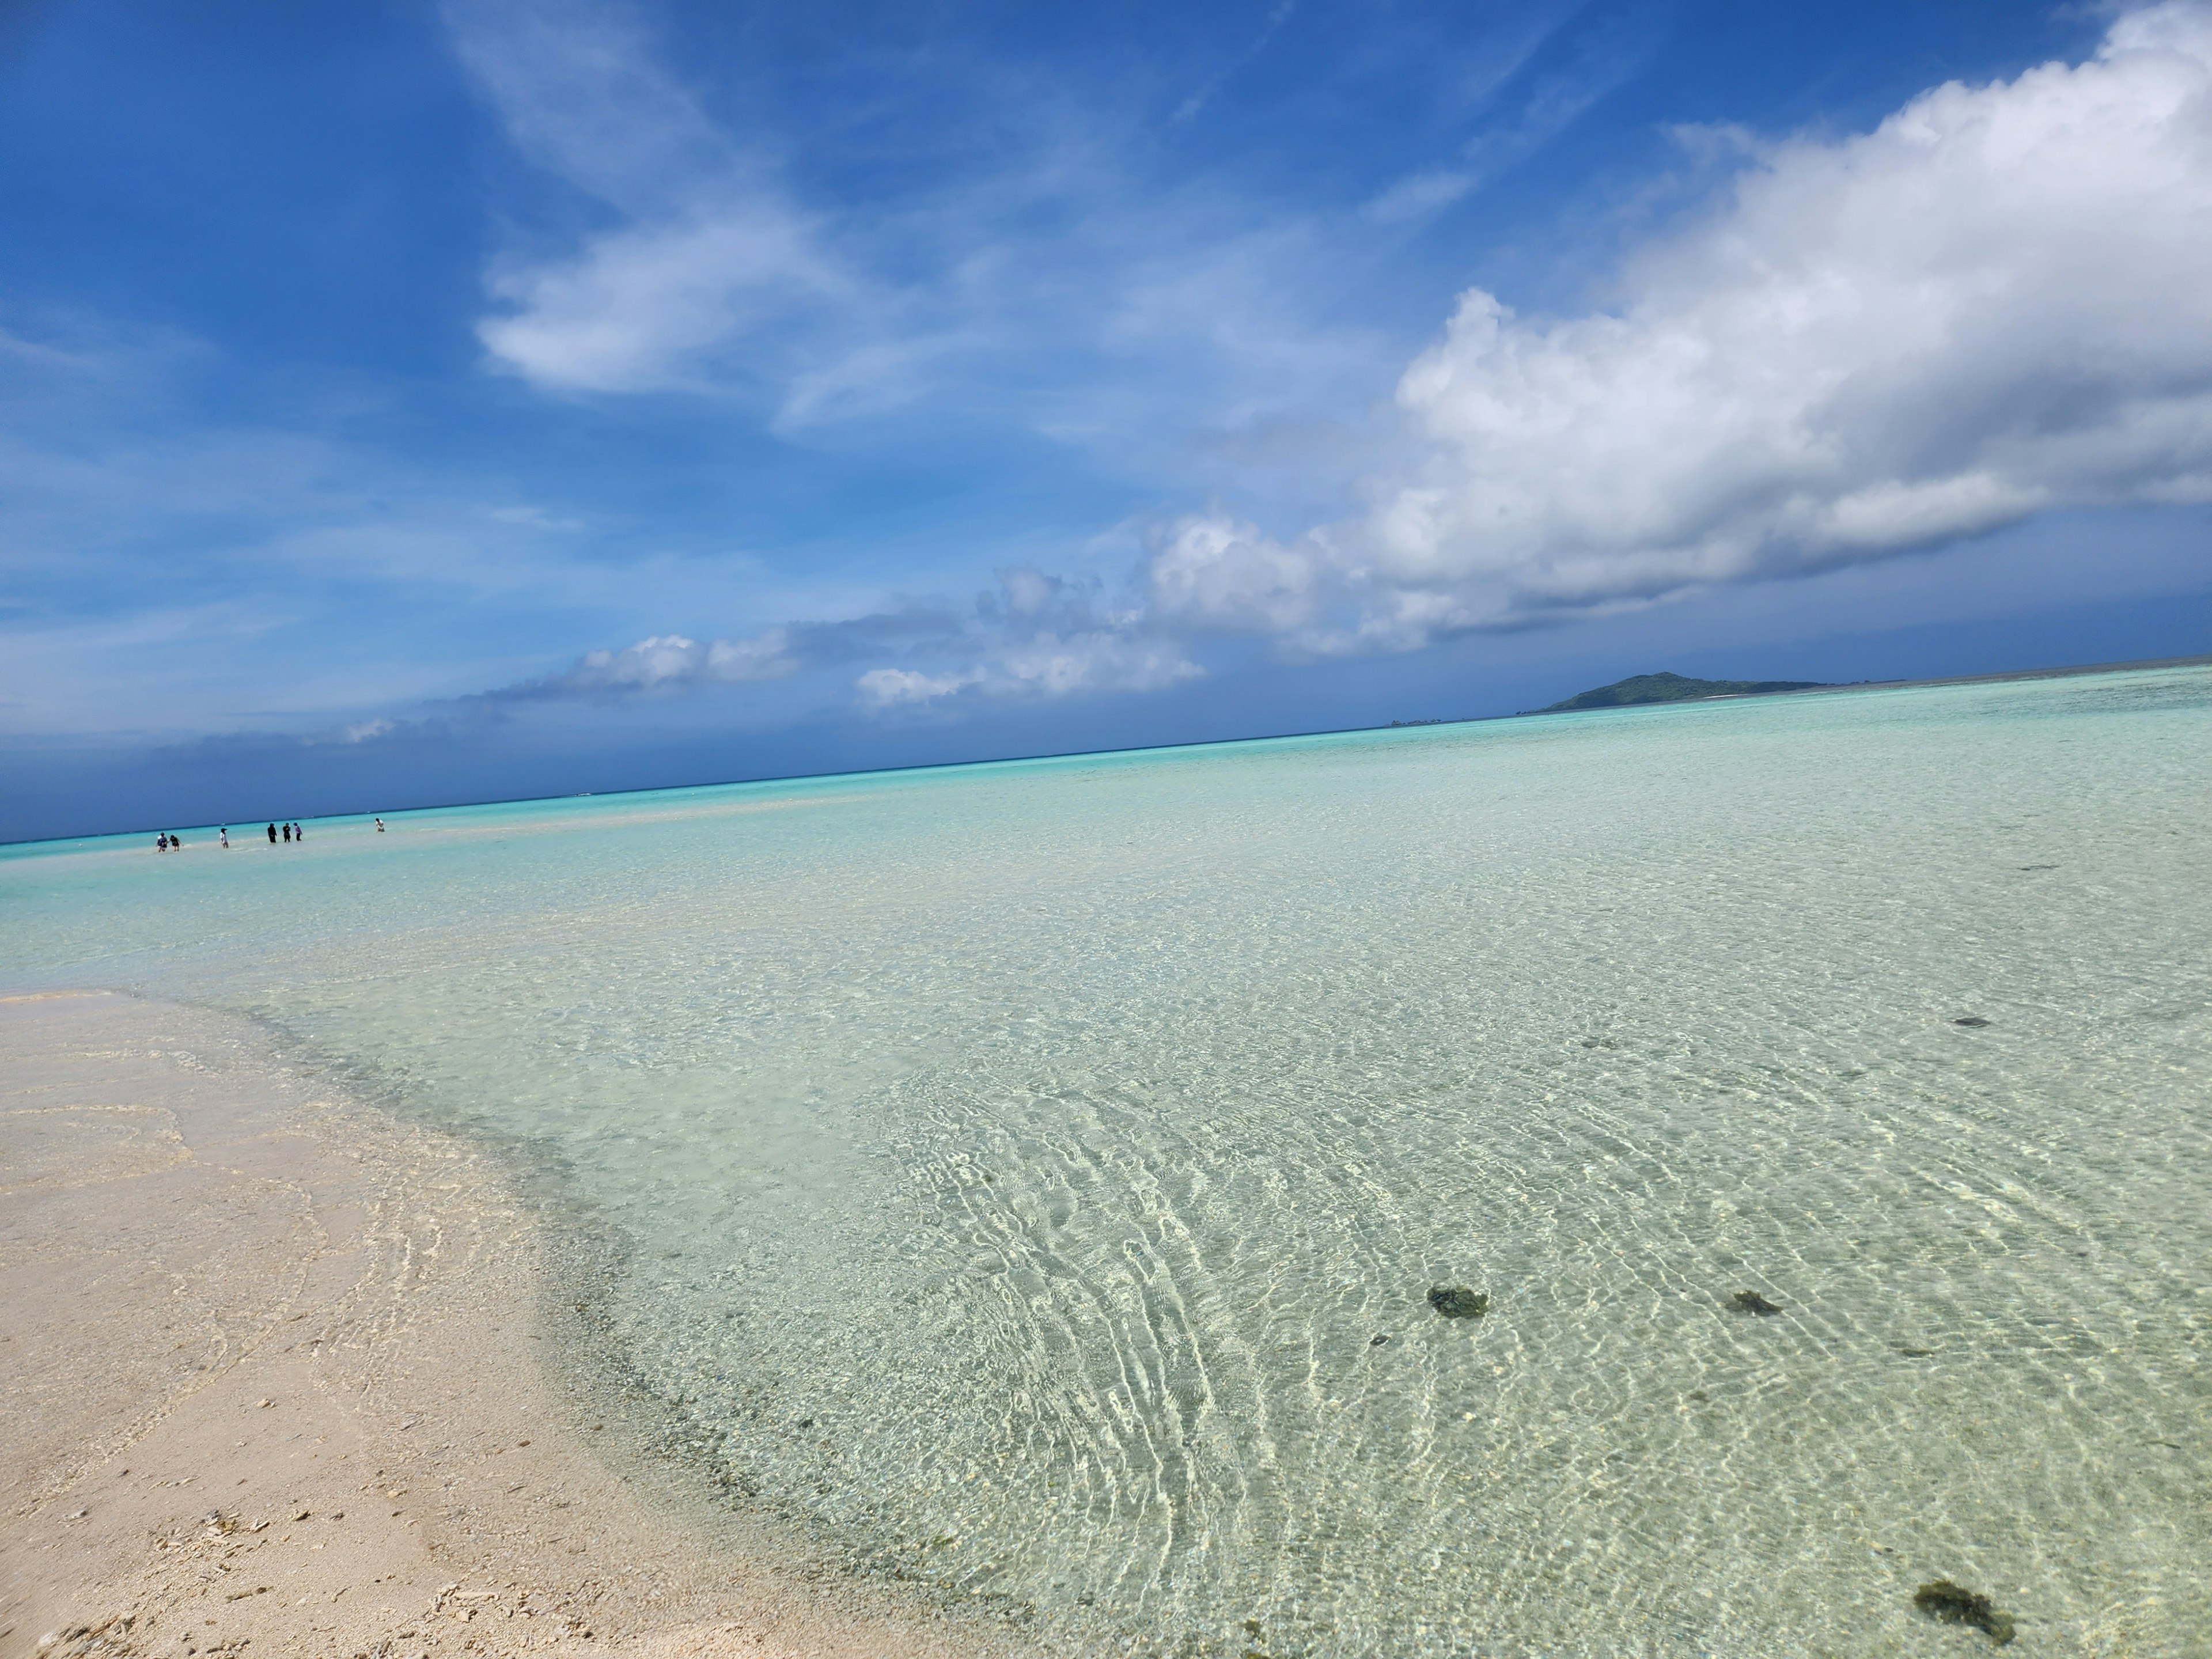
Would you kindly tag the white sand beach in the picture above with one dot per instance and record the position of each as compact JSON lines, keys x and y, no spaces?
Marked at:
{"x":273,"y":1380}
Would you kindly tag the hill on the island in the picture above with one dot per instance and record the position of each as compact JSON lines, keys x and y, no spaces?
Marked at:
{"x":1673,"y":688}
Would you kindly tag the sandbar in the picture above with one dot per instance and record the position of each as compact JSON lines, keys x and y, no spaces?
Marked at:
{"x":277,"y":1377}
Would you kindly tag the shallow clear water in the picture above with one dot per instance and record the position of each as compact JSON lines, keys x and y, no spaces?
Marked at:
{"x":1020,"y":1164}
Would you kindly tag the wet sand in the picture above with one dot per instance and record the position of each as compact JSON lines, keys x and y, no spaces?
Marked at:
{"x":274,"y":1379}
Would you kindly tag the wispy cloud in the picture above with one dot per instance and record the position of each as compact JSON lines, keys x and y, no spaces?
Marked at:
{"x":1049,"y":281}
{"x":708,"y":252}
{"x":1604,"y":59}
{"x":1278,"y":14}
{"x":535,"y":518}
{"x":171,"y":565}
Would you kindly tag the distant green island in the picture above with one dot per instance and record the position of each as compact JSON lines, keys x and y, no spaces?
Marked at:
{"x":1673,"y":688}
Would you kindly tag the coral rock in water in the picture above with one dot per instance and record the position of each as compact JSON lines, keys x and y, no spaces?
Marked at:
{"x":1458,"y":1302}
{"x":1955,"y":1604}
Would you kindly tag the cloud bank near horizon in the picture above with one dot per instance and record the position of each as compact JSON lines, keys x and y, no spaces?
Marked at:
{"x":1031,"y":636}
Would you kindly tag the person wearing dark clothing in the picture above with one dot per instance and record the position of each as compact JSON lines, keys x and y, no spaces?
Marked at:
{"x":162,"y":841}
{"x":288,"y":832}
{"x":272,"y":835}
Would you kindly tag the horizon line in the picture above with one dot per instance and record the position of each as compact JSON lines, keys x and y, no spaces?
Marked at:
{"x":2053,"y":672}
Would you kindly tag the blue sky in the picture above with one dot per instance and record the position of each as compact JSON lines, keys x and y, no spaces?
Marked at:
{"x":403,"y":404}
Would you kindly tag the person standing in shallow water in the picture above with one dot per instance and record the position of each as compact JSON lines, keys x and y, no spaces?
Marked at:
{"x":272,"y":835}
{"x":224,"y":833}
{"x":298,"y":834}
{"x":288,"y":832}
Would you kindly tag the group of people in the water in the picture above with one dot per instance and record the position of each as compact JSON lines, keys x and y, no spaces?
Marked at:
{"x":166,"y":842}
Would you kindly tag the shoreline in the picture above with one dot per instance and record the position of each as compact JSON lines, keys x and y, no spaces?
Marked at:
{"x":278,"y":1377}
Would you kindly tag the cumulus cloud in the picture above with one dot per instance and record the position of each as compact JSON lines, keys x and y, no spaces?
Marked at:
{"x":1216,"y":572}
{"x":1993,"y":305}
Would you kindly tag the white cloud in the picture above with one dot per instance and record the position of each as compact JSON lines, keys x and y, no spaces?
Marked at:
{"x":669,"y":662}
{"x":635,"y":309}
{"x":887,"y":688}
{"x":1036,"y":637}
{"x":767,"y":656}
{"x":708,"y":251}
{"x":1028,"y":590}
{"x":1215,"y":572}
{"x":1055,"y":665}
{"x":1054,"y":277}
{"x":1417,"y":195}
{"x":1995,"y":304}
{"x":1045,"y":665}
{"x":649,"y":663}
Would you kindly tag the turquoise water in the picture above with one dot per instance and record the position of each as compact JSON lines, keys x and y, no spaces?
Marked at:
{"x":1018,"y":1164}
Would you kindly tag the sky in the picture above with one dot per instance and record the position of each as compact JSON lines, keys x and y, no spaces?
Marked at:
{"x":403,"y":404}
